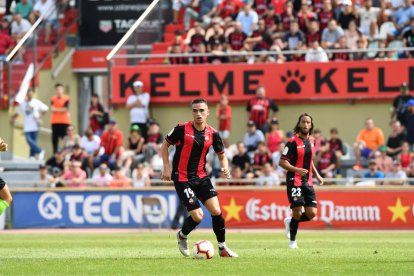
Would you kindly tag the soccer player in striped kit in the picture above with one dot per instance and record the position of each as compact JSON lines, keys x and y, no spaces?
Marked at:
{"x":297,"y":160}
{"x":5,"y":196}
{"x":192,"y":141}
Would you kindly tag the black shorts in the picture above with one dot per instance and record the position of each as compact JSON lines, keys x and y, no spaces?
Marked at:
{"x":301,"y":196}
{"x":2,"y":183}
{"x":192,"y":191}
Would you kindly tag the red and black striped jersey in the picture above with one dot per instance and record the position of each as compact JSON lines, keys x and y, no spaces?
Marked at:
{"x":259,"y":110}
{"x":192,"y":147}
{"x":299,"y":153}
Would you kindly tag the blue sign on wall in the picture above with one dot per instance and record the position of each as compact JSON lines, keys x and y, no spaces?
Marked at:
{"x":90,"y":209}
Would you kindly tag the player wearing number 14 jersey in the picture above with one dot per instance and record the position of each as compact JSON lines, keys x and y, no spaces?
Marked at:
{"x":297,"y":160}
{"x":192,"y":141}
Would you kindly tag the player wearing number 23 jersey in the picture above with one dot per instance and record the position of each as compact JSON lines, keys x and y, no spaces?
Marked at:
{"x":297,"y":160}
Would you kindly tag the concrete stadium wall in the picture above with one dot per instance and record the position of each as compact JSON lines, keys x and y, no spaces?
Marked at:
{"x":348,"y":118}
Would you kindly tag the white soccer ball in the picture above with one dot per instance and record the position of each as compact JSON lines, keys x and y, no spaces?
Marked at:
{"x":203,"y":250}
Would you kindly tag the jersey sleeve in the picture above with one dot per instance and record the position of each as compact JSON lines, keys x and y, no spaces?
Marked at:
{"x":217,"y":143}
{"x":175,"y":135}
{"x":274,"y":106}
{"x":288,"y":151}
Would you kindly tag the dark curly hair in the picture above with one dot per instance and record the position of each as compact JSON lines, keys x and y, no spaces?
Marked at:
{"x":296,"y":130}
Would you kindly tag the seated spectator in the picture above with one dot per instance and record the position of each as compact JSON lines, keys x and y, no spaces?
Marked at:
{"x":223,"y":114}
{"x":75,"y":177}
{"x":218,"y":54}
{"x":197,"y":38}
{"x":347,"y":15}
{"x":134,"y":152}
{"x":104,"y":178}
{"x":201,"y":11}
{"x":119,"y":179}
{"x":275,"y":136}
{"x":253,"y":137}
{"x":55,"y":163}
{"x":408,"y":38}
{"x":335,"y":144}
{"x":331,"y":35}
{"x":216,"y":37}
{"x":70,"y":140}
{"x":410,"y":173}
{"x":387,"y":28}
{"x":177,"y":5}
{"x":395,"y":173}
{"x":326,"y":160}
{"x":248,"y":19}
{"x":353,"y":35}
{"x":405,"y":157}
{"x":260,"y":40}
{"x":97,"y":118}
{"x":200,"y":49}
{"x":272,"y":20}
{"x":241,"y":159}
{"x":368,"y":140}
{"x":288,"y":16}
{"x":343,"y":45}
{"x":140,"y":176}
{"x":361,"y":45}
{"x":155,"y":139}
{"x":401,"y":17}
{"x":318,"y":139}
{"x":381,"y":55}
{"x":78,"y":154}
{"x":6,"y":44}
{"x":236,"y":41}
{"x":229,"y":8}
{"x":111,"y":142}
{"x":47,"y":9}
{"x":368,"y":17}
{"x":19,"y":27}
{"x":24,"y":8}
{"x":261,"y":157}
{"x":91,"y":145}
{"x":156,"y":165}
{"x":373,"y":170}
{"x":276,"y":158}
{"x":177,"y":49}
{"x":5,"y":26}
{"x":268,"y":177}
{"x":326,"y":14}
{"x":305,"y":15}
{"x":294,"y":38}
{"x":395,"y":139}
{"x":316,"y":53}
{"x":47,"y":178}
{"x":384,"y":162}
{"x":313,"y":34}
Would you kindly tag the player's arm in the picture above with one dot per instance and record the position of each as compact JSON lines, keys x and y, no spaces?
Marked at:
{"x":224,"y":162}
{"x":318,"y":176}
{"x":166,"y":174}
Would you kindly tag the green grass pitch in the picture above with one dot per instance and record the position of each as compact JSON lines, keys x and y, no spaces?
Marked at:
{"x":320,"y":253}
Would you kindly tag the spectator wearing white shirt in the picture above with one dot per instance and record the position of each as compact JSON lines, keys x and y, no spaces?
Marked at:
{"x":32,"y":111}
{"x":47,"y":9}
{"x":396,"y":173}
{"x":91,"y":145}
{"x":331,"y":35}
{"x":268,"y":177}
{"x":316,"y":53}
{"x":368,"y":17}
{"x":248,"y":19}
{"x":138,"y":107}
{"x":19,"y":26}
{"x":103,"y":178}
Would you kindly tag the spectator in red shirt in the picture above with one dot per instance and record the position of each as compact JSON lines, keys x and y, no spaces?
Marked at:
{"x":313,"y":33}
{"x":272,"y":20}
{"x":197,"y":38}
{"x":275,"y":136}
{"x":119,"y":179}
{"x":260,"y":6}
{"x":96,"y":116}
{"x":279,"y":6}
{"x":177,"y":49}
{"x":223,"y":114}
{"x":304,"y":16}
{"x":75,"y":175}
{"x":261,"y":157}
{"x":343,"y":45}
{"x":229,"y":8}
{"x":325,"y":160}
{"x":261,"y":39}
{"x":112,"y":140}
{"x":6,"y":44}
{"x":5,"y":26}
{"x":261,"y":109}
{"x":288,"y":16}
{"x":236,"y":38}
{"x":335,"y":144}
{"x":326,"y":14}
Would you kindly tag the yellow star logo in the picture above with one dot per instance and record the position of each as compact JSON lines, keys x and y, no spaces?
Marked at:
{"x":232,"y":210}
{"x":398,"y":211}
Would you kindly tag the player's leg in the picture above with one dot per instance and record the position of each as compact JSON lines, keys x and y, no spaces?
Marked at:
{"x":5,"y":196}
{"x":296,"y":200}
{"x":190,"y":201}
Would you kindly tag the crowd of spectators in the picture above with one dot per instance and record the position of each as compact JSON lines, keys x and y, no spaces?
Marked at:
{"x":312,"y":26}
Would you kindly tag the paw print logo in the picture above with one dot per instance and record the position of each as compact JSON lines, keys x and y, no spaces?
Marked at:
{"x":293,"y":81}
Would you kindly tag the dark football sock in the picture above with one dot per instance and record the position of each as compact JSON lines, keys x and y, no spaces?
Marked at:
{"x":294,"y":224}
{"x":189,"y":225}
{"x":219,"y":228}
{"x":304,"y":217}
